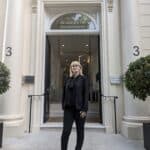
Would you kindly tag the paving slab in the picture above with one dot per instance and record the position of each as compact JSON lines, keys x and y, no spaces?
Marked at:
{"x":50,"y":140}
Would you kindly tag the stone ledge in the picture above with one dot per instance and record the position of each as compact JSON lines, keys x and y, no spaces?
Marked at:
{"x":136,"y":119}
{"x":132,"y":130}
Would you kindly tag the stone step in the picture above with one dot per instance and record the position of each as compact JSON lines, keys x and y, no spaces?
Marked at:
{"x":89,"y":119}
{"x":59,"y":125}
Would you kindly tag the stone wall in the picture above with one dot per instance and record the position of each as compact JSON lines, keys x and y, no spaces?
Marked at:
{"x":144,"y":25}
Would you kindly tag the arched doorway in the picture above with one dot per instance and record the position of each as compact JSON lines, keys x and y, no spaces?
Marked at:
{"x":79,"y":41}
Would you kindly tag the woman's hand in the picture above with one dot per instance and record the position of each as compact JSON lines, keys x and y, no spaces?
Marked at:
{"x":82,"y":114}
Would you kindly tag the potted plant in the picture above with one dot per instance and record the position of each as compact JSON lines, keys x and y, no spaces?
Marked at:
{"x":137,"y":81}
{"x":4,"y":86}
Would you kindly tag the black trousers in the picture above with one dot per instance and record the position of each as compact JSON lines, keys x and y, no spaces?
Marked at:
{"x":71,"y":115}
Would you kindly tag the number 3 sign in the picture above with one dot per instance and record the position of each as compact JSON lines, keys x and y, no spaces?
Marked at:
{"x":8,"y":51}
{"x":136,"y":50}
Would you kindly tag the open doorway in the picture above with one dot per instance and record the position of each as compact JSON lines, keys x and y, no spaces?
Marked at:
{"x":60,"y":51}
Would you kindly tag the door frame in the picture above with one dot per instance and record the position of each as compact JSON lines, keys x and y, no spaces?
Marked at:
{"x":47,"y":77}
{"x":99,"y":70}
{"x":39,"y":63}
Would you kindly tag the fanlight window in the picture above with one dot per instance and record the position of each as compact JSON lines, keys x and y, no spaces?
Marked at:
{"x":73,"y":21}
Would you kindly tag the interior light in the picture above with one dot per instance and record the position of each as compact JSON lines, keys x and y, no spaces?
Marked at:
{"x":88,"y":60}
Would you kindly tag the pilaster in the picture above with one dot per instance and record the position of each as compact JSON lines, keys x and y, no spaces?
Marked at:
{"x":136,"y":111}
{"x":12,"y":104}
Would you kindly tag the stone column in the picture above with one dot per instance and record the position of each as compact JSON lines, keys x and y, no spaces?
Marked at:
{"x":136,"y":111}
{"x":111,"y":67}
{"x":3,"y":10}
{"x":107,"y":105}
{"x":28,"y":61}
{"x":10,"y":109}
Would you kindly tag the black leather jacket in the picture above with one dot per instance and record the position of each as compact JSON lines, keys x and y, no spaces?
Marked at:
{"x":80,"y":85}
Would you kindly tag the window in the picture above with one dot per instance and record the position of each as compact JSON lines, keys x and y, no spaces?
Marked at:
{"x":73,"y":21}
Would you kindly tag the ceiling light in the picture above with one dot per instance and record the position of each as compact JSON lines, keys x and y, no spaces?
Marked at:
{"x":86,"y":45}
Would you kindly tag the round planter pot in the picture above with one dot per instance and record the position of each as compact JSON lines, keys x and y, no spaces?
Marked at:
{"x":146,"y":135}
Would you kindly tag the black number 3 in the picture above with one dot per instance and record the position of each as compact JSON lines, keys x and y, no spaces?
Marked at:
{"x":9,"y":51}
{"x":136,"y":50}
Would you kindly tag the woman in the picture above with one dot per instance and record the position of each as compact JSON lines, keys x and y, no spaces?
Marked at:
{"x":74,"y":104}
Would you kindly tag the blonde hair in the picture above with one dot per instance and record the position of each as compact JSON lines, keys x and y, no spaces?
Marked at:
{"x":75,"y":63}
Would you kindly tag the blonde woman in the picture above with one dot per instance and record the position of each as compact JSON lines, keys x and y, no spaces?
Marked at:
{"x":74,"y":104}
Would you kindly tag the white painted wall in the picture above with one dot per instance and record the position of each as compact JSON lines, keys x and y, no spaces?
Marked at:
{"x":144,"y":25}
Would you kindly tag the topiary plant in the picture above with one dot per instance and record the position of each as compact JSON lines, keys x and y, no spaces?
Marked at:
{"x":4,"y":78}
{"x":137,"y":78}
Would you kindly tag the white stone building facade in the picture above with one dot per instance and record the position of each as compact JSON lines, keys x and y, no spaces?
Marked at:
{"x":122,"y":31}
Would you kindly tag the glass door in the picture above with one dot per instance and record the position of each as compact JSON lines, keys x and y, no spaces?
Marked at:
{"x":62,"y":51}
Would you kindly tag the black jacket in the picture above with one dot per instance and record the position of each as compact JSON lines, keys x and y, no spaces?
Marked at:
{"x":80,"y":85}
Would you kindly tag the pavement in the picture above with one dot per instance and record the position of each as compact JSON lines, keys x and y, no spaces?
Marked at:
{"x":50,"y":140}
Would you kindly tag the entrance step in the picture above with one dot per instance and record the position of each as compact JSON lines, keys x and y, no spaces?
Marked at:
{"x":59,"y":125}
{"x":89,"y":119}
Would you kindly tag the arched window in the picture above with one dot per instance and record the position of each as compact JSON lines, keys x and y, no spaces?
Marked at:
{"x":73,"y":21}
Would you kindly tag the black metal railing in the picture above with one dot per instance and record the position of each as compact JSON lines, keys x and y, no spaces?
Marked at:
{"x":30,"y":111}
{"x":115,"y":114}
{"x":40,"y":95}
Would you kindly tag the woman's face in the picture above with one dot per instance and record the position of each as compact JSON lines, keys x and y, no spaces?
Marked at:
{"x":75,"y":68}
